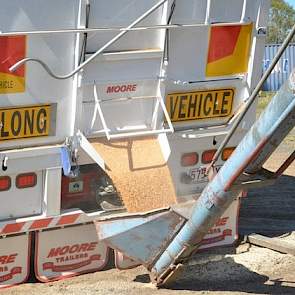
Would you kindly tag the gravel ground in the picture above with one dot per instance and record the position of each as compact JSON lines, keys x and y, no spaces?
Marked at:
{"x":250,"y":270}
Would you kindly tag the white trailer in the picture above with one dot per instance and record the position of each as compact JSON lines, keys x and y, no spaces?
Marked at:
{"x":74,"y":73}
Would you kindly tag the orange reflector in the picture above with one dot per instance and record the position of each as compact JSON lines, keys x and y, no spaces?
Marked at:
{"x":189,"y":159}
{"x":26,"y":180}
{"x":207,"y":156}
{"x":5,"y":183}
{"x":227,"y":153}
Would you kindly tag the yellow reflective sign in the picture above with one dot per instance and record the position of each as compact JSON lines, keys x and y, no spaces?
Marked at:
{"x":25,"y":122}
{"x":200,"y":104}
{"x":229,"y":50}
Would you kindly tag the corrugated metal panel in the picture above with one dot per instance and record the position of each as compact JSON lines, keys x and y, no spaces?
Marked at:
{"x":282,"y":69}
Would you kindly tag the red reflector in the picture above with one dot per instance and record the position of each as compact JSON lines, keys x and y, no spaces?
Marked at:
{"x":227,"y":153}
{"x":5,"y":183}
{"x":189,"y":159}
{"x":26,"y":180}
{"x":207,"y":156}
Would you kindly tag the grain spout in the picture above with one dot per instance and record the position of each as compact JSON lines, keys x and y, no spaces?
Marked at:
{"x":139,"y":172}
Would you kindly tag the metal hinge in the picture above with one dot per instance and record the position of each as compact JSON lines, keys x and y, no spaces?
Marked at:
{"x":70,"y":154}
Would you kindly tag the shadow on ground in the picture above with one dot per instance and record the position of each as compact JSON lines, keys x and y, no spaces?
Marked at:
{"x":270,"y":210}
{"x":225,"y":275}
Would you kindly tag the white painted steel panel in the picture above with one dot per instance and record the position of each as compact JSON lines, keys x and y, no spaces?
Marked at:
{"x":193,"y":12}
{"x":114,"y":13}
{"x":102,"y":70}
{"x":237,"y":10}
{"x":188,"y":54}
{"x":226,"y":11}
{"x":52,"y":192}
{"x":21,"y":202}
{"x":31,"y":159}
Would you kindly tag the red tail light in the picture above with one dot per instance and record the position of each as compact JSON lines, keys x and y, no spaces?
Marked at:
{"x":5,"y":183}
{"x":189,"y":159}
{"x":207,"y":156}
{"x":26,"y":180}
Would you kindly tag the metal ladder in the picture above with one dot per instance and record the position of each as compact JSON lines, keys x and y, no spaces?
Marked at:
{"x":159,"y":108}
{"x":140,"y":132}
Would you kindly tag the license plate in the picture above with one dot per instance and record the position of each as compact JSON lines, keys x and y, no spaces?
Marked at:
{"x":24,"y":122}
{"x":199,"y":105}
{"x":198,"y":175}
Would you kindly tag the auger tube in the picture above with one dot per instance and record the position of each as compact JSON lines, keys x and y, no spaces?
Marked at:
{"x":269,"y":130}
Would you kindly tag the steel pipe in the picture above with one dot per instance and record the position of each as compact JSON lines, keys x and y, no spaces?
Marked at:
{"x":269,"y":130}
{"x":114,"y":29}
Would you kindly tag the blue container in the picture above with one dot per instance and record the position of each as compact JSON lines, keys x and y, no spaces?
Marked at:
{"x":283,"y":68}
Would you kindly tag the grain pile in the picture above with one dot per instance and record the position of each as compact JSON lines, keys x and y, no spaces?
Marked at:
{"x":139,"y":172}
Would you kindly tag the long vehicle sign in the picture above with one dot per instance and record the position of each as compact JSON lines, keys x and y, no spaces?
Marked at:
{"x":25,"y":122}
{"x":200,"y":104}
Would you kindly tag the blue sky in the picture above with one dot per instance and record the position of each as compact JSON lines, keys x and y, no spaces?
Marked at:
{"x":292,"y":2}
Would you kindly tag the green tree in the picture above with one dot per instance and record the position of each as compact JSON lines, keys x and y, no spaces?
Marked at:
{"x":282,"y":18}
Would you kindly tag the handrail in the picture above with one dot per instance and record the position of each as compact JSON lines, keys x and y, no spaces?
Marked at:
{"x":252,"y":97}
{"x":99,"y":51}
{"x":116,"y":29}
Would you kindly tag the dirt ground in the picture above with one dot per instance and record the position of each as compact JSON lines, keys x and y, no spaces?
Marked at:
{"x":250,"y":270}
{"x":242,"y":270}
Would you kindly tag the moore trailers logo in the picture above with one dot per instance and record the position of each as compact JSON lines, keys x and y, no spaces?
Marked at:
{"x":5,"y":267}
{"x":121,"y":88}
{"x":71,"y":257}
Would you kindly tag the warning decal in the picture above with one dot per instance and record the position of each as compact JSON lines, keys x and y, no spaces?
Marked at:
{"x":229,"y":50}
{"x":12,"y":50}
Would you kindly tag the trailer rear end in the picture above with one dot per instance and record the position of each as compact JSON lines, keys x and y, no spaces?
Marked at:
{"x":114,"y":109}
